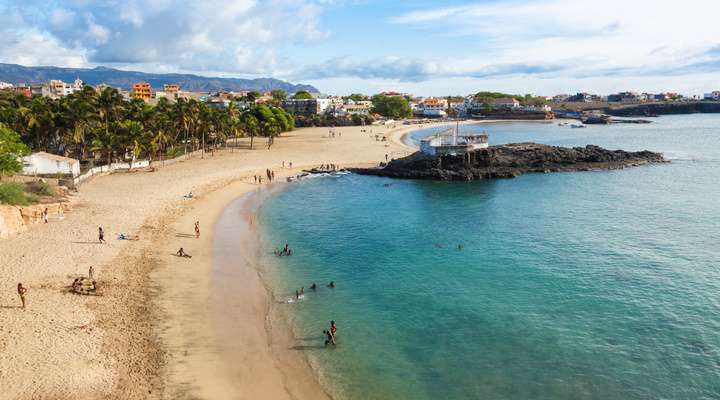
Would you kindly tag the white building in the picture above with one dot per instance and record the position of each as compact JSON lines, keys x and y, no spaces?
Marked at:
{"x":42,"y":163}
{"x":431,"y":107}
{"x":715,"y":95}
{"x":5,"y":85}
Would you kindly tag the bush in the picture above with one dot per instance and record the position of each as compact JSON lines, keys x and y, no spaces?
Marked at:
{"x":40,"y":188}
{"x":14,"y":194}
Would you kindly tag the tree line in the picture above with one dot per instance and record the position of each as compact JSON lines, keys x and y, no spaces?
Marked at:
{"x":104,"y":127}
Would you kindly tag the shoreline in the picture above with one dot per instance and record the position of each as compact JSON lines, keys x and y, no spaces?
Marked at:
{"x":130,"y":341}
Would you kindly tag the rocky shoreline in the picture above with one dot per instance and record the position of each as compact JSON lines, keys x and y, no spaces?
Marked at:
{"x":511,"y":160}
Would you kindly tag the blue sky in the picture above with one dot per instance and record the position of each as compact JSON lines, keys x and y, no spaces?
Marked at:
{"x":424,"y":47}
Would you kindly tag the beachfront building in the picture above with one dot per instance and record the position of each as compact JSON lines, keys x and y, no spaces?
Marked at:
{"x":5,"y":86}
{"x":306,"y":107}
{"x":42,"y":163}
{"x":142,"y":91}
{"x":714,"y":95}
{"x":432,"y":108}
{"x":449,"y":142}
{"x":559,"y":98}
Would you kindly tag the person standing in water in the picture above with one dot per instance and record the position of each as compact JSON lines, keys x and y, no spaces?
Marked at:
{"x":21,"y":292}
{"x":329,"y":338}
{"x":333,"y":328}
{"x":197,"y":229}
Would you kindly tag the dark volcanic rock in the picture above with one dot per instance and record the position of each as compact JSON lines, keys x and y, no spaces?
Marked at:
{"x":511,"y":160}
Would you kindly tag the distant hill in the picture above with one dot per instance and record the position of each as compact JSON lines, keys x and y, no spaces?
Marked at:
{"x":13,"y":73}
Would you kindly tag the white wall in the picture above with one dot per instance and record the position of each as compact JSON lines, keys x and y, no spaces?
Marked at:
{"x":38,"y":164}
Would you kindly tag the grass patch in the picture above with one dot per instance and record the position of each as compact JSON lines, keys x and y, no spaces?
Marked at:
{"x":14,"y":194}
{"x":40,"y":188}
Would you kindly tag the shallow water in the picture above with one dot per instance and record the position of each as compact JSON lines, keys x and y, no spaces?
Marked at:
{"x":588,"y":285}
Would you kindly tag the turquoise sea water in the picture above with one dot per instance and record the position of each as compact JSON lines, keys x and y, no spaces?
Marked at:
{"x":590,"y":285}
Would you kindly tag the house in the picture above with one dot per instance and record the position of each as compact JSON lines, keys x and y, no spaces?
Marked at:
{"x":42,"y":163}
{"x":142,"y":91}
{"x":5,"y":85}
{"x":506,"y":102}
{"x":714,"y":96}
{"x":560,"y":98}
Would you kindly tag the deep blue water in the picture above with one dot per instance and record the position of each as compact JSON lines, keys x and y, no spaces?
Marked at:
{"x":588,"y":285}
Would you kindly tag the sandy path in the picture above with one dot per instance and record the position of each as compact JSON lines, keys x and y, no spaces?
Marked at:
{"x":132,"y":340}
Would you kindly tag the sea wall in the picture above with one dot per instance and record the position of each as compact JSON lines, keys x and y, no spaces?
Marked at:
{"x":16,"y":219}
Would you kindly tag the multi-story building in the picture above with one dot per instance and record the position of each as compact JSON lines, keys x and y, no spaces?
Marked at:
{"x":5,"y":85}
{"x":431,"y":107}
{"x":142,"y":90}
{"x":23,"y":91}
{"x":171,"y":88}
{"x":306,"y":107}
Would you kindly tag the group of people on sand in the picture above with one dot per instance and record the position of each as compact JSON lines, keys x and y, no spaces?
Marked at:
{"x":289,"y":164}
{"x":181,"y":252}
{"x":329,"y":167}
{"x":332,"y":133}
{"x":286,"y":251}
{"x":269,"y":176}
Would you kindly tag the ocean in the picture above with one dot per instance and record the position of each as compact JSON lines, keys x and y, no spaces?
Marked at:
{"x":582,"y":285}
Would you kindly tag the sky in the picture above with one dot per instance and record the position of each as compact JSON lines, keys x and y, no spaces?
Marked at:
{"x":367,"y":46}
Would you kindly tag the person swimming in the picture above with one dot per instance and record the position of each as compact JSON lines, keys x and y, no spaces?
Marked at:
{"x":331,"y":284}
{"x":313,"y":286}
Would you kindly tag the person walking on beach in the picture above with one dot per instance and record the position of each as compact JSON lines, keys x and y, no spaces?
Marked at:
{"x":255,"y":176}
{"x":91,"y":273}
{"x":21,"y":292}
{"x":290,"y":164}
{"x":197,"y":229}
{"x":272,"y":175}
{"x":45,"y":215}
{"x":101,"y":234}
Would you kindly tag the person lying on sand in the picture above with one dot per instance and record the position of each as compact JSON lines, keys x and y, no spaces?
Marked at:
{"x":188,"y":196}
{"x":182,"y":253}
{"x":123,"y":236}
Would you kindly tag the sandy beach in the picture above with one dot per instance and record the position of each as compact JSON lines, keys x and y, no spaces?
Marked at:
{"x":159,"y":327}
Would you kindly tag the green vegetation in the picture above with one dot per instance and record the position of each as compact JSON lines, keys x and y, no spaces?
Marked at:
{"x":11,"y":149}
{"x":488,"y":98}
{"x":395,"y":107}
{"x":103,"y":127}
{"x":13,"y":193}
{"x":302,"y":95}
{"x":356,"y":97}
{"x":40,"y":188}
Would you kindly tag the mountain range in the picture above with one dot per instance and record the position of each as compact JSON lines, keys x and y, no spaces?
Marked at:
{"x":13,"y":73}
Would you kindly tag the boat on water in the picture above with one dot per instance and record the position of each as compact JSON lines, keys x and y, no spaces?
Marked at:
{"x":450,"y":142}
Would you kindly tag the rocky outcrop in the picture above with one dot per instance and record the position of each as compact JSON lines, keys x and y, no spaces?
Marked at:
{"x":511,"y":160}
{"x":16,"y":219}
{"x":655,"y":109}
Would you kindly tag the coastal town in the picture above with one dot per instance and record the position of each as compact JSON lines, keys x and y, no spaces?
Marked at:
{"x":358,"y":108}
{"x":359,"y":200}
